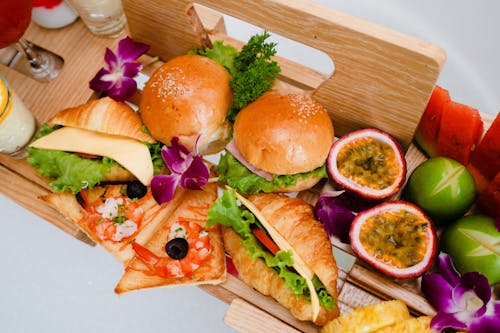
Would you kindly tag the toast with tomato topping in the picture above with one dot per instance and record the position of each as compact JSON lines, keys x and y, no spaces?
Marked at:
{"x":113,"y":220}
{"x":183,"y":251}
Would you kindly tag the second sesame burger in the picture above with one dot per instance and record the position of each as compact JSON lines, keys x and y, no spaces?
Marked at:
{"x":188,"y":97}
{"x":280,"y":144}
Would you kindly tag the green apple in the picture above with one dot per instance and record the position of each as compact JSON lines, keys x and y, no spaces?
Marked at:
{"x":473,"y":243}
{"x":443,"y":188}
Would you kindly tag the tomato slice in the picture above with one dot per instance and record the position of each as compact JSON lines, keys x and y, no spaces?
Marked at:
{"x":265,"y":240}
{"x":85,"y":155}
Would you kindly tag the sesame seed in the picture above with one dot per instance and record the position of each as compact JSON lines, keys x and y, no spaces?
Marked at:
{"x":303,"y":106}
{"x":171,"y":83}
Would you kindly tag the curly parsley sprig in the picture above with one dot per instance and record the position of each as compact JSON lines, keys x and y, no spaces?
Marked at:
{"x":252,"y":69}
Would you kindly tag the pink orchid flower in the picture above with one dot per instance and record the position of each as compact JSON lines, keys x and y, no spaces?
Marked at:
{"x":118,"y":81}
{"x":187,"y":170}
{"x":464,"y":302}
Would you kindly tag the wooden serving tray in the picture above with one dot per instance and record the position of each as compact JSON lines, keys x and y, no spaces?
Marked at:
{"x":382,"y":79}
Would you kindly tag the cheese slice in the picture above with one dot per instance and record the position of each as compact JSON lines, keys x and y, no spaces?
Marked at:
{"x":129,"y":153}
{"x":298,"y":264}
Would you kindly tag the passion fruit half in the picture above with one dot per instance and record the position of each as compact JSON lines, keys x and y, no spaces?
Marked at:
{"x":368,"y":162}
{"x":395,"y":237}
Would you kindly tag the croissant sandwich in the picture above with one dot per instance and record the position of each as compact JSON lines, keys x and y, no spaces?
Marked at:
{"x":279,"y":249}
{"x":101,"y":140}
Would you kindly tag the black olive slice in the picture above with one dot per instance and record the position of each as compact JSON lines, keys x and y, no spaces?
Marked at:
{"x":80,"y":200}
{"x":177,"y":248}
{"x":136,"y":190}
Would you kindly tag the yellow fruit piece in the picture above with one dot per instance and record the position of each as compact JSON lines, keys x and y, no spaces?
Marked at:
{"x":369,"y":318}
{"x":412,"y":325}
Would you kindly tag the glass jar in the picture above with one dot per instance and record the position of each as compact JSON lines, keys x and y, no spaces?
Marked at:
{"x":102,"y":17}
{"x":17,"y":123}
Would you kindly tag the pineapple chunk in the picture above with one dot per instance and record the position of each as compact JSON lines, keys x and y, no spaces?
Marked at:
{"x":369,"y":318}
{"x":412,"y":325}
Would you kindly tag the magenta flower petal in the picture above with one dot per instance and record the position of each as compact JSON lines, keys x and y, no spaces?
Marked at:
{"x":447,"y":270}
{"x":123,"y":90}
{"x":163,"y":187}
{"x":129,"y":50}
{"x":111,"y":60}
{"x":443,"y":320}
{"x":99,"y":85}
{"x":478,"y":283}
{"x":336,"y":210}
{"x":196,"y":175}
{"x":486,"y":325}
{"x":438,"y":292}
{"x":131,"y":69}
{"x":335,"y":216}
{"x":177,"y":157}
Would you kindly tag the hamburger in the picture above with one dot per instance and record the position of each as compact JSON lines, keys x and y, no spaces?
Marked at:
{"x":280,"y":144}
{"x":99,"y":141}
{"x":188,"y":97}
{"x":281,"y":250}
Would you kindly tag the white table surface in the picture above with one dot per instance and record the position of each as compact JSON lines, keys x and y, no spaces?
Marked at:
{"x":54,"y":283}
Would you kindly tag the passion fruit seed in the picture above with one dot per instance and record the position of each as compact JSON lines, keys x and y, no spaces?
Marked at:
{"x":368,"y":162}
{"x":395,"y":237}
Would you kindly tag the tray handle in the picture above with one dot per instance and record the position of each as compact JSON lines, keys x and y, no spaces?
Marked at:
{"x":382,"y":78}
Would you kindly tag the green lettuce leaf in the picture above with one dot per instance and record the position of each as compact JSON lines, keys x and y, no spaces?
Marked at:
{"x":230,"y":171}
{"x":69,"y":170}
{"x":155,"y":152}
{"x":220,"y":52}
{"x":227,"y":212}
{"x":72,"y":172}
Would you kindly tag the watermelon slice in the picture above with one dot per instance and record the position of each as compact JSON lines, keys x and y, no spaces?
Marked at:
{"x":486,"y":157}
{"x":428,"y":127}
{"x":460,"y":131}
{"x":489,"y":200}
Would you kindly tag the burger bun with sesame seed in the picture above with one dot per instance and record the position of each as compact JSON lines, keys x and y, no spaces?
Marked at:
{"x":188,"y":97}
{"x":283,"y":133}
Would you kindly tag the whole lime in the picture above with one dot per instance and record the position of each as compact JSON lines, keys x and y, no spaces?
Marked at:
{"x":473,"y":243}
{"x":443,"y":188}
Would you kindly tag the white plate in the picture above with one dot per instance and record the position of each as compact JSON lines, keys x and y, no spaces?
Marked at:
{"x":54,"y":283}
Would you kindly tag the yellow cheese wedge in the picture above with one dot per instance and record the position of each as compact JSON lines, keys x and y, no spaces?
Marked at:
{"x":129,"y":153}
{"x":299,"y":265}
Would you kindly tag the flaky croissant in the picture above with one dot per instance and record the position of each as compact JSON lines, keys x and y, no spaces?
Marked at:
{"x":104,"y":115}
{"x":294,"y":219}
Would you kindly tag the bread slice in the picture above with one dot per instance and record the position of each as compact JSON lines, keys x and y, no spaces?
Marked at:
{"x":67,"y":204}
{"x":104,"y":115}
{"x":194,"y":207}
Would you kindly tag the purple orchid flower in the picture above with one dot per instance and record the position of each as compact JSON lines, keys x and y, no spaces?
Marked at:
{"x":118,"y":80}
{"x":187,"y":170}
{"x":336,"y":210}
{"x":463,"y":302}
